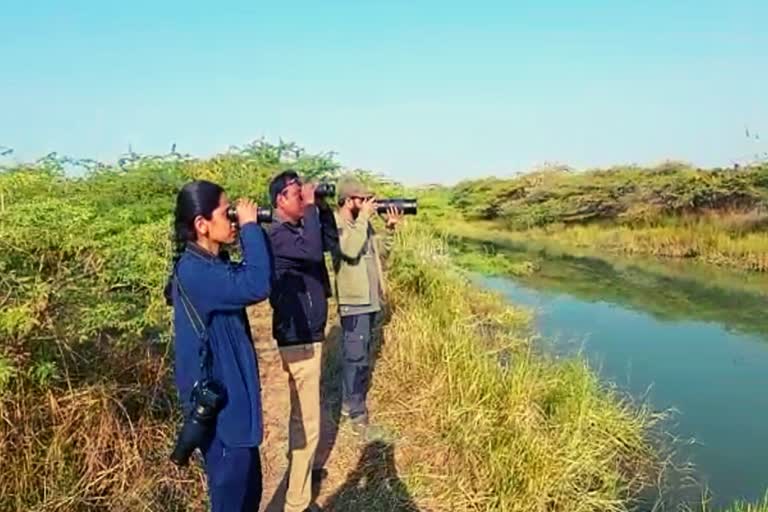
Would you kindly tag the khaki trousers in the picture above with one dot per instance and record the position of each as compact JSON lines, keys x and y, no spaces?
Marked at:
{"x":302,"y":363}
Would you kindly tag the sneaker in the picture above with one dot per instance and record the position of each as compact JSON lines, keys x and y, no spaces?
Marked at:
{"x":368,"y":432}
{"x":358,"y":423}
{"x":378,"y":433}
{"x":345,"y":410}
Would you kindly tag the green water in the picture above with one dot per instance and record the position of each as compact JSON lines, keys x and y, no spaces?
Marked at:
{"x":686,"y":337}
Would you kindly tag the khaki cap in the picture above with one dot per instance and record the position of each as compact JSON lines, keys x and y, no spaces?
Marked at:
{"x":352,"y":187}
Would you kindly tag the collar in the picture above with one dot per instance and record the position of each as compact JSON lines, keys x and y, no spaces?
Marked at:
{"x":199,"y":252}
{"x":283,"y":220}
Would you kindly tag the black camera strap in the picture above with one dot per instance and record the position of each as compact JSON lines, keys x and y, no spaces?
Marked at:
{"x":200,"y":329}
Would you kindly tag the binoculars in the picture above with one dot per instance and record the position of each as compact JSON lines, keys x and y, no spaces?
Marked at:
{"x":263,"y":215}
{"x":325,"y":189}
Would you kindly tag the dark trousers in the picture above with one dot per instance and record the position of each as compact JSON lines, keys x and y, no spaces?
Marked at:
{"x":356,"y":361}
{"x":234,"y":478}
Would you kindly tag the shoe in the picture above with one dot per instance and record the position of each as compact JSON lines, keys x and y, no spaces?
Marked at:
{"x":378,"y":433}
{"x":368,"y":432}
{"x":318,"y":475}
{"x":359,"y":423}
{"x":345,"y":410}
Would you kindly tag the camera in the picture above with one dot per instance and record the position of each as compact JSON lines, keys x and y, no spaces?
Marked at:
{"x":406,"y":206}
{"x":209,"y":397}
{"x":263,"y":214}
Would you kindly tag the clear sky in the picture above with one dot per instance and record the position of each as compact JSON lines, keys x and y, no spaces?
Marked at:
{"x":425,"y":91}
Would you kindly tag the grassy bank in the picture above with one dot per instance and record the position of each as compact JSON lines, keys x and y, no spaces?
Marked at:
{"x":492,"y":424}
{"x":674,"y":211}
{"x":707,"y":238}
{"x":761,"y":506}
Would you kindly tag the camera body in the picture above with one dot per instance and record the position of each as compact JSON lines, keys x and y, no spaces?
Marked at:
{"x":209,"y":398}
{"x":406,"y":206}
{"x":263,"y":215}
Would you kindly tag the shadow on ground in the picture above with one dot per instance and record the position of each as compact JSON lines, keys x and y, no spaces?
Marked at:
{"x":330,"y":387}
{"x":373,"y":485}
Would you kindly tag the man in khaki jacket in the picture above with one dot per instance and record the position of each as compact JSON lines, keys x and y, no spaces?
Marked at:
{"x":359,"y":290}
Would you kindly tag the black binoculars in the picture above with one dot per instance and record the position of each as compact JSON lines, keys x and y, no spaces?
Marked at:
{"x":263,"y":214}
{"x":325,"y":189}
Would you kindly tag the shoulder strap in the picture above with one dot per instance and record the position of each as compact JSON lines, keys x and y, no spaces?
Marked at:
{"x":200,"y":328}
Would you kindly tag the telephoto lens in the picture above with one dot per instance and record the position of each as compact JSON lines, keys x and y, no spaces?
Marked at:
{"x":405,"y":206}
{"x":263,"y":215}
{"x":209,"y":398}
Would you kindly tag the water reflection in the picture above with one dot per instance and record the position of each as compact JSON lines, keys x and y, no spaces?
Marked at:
{"x":668,"y":290}
{"x":689,"y":338}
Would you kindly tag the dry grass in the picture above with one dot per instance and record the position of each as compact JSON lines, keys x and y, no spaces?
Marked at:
{"x":98,"y":446}
{"x":729,"y":240}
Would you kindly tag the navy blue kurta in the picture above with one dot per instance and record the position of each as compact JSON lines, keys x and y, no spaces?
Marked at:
{"x":219,"y":290}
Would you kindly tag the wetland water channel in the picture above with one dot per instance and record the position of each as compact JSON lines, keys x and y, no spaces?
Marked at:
{"x":687,"y":337}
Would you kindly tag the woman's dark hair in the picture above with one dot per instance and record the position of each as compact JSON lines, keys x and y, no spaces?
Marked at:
{"x":198,"y":197}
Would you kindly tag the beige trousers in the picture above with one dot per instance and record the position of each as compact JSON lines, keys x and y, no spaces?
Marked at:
{"x":302,"y":363}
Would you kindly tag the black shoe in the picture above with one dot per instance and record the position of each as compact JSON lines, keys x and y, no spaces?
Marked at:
{"x":318,"y":475}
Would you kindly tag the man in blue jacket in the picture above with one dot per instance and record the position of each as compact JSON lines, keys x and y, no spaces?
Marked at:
{"x":302,"y":230}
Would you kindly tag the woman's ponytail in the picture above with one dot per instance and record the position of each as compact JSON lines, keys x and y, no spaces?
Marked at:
{"x":196,"y":198}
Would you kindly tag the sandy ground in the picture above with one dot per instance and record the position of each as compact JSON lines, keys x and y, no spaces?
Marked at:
{"x":339,"y":448}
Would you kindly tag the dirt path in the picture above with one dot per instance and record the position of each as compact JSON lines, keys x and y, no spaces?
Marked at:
{"x":339,"y":450}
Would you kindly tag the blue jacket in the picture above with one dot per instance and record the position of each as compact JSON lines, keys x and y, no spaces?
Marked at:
{"x":219,"y":290}
{"x":301,"y":286}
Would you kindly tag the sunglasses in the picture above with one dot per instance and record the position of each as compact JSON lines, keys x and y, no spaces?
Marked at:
{"x":292,"y":181}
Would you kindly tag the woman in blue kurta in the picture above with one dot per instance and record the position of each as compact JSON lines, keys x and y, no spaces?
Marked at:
{"x":219,"y":291}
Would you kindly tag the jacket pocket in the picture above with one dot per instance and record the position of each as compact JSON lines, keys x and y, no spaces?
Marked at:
{"x":352,"y":283}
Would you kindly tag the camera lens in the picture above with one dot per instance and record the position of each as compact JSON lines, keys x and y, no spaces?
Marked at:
{"x":209,"y":398}
{"x":406,"y":206}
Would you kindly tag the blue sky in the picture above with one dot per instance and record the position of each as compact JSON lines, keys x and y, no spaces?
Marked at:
{"x":424,"y":91}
